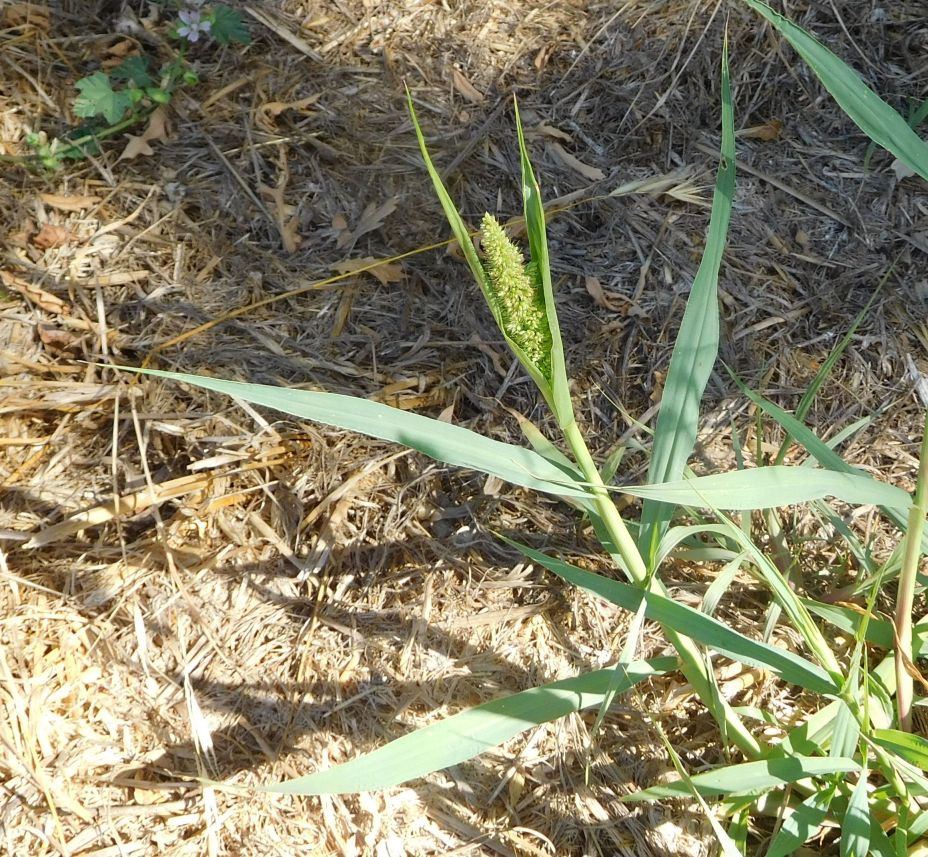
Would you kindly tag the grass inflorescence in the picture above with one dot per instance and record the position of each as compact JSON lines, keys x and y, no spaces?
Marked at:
{"x":517,"y":294}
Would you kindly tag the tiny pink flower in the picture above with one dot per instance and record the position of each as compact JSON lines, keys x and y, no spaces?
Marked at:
{"x":192,"y":25}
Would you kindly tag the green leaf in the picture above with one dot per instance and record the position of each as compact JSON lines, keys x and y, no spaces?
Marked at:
{"x":697,"y":345}
{"x":864,"y":107}
{"x":802,"y":824}
{"x":462,"y":236}
{"x":438,"y":440}
{"x":470,"y":733}
{"x":912,"y":748}
{"x":764,"y":487}
{"x":538,"y":245}
{"x":685,"y":620}
{"x":750,"y":777}
{"x":99,"y":98}
{"x":825,"y":456}
{"x":228,"y":26}
{"x":134,"y":69}
{"x":855,"y":827}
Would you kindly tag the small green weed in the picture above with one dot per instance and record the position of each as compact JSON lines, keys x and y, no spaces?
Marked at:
{"x":125,"y":96}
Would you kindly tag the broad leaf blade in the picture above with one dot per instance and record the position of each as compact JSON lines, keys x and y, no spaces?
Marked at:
{"x":864,"y":107}
{"x":685,"y":620}
{"x":750,"y":777}
{"x":441,"y":441}
{"x":470,"y":733}
{"x":766,"y":487}
{"x":697,"y":345}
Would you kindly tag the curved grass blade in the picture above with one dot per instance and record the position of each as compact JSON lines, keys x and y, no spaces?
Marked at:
{"x":685,"y":620}
{"x":697,"y":345}
{"x":801,"y":824}
{"x":912,"y":748}
{"x":441,"y":441}
{"x":538,"y":245}
{"x":750,"y":777}
{"x":820,"y":450}
{"x":551,"y":390}
{"x":766,"y":487}
{"x":855,"y":827}
{"x":863,"y":106}
{"x":470,"y":733}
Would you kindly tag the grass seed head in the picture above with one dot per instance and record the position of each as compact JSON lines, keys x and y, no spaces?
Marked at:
{"x":517,"y":295}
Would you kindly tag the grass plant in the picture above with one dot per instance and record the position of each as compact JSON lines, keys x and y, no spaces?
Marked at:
{"x":854,"y":766}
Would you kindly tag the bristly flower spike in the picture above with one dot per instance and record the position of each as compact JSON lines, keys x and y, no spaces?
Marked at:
{"x":517,"y":295}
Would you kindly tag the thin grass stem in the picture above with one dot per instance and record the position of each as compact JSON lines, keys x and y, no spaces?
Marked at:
{"x":905,"y":593}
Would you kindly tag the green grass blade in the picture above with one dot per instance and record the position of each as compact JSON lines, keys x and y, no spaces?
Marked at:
{"x":697,"y":345}
{"x":691,"y":623}
{"x":912,"y":748}
{"x":750,"y":777}
{"x":465,"y":735}
{"x":802,"y":824}
{"x":458,"y":227}
{"x":825,"y":456}
{"x":855,"y":827}
{"x":538,"y":246}
{"x":808,"y":397}
{"x":765,"y":487}
{"x":864,"y":107}
{"x":441,"y":441}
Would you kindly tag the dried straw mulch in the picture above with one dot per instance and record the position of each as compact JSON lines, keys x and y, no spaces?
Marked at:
{"x":192,"y":588}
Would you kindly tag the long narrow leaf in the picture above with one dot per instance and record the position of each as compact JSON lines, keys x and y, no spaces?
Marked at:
{"x":801,"y":824}
{"x":685,"y":620}
{"x":470,"y":733}
{"x":864,"y":107}
{"x":697,"y":344}
{"x":855,"y":828}
{"x":750,"y":777}
{"x":912,"y":748}
{"x":538,"y":245}
{"x":825,"y":456}
{"x":441,"y":441}
{"x":766,"y":487}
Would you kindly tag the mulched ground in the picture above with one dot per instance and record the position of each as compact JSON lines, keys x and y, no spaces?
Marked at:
{"x":192,"y":587}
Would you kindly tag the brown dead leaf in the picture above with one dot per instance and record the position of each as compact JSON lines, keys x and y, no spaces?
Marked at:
{"x":68,"y":203}
{"x":155,"y":131}
{"x":465,"y":87}
{"x":550,"y":131}
{"x":45,"y":300}
{"x":372,"y":218}
{"x":593,"y":174}
{"x":267,"y":113}
{"x":768,"y":131}
{"x":284,"y":212}
{"x":50,"y":236}
{"x":25,"y":15}
{"x":385,"y":272}
{"x":601,"y":298}
{"x":56,"y":339}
